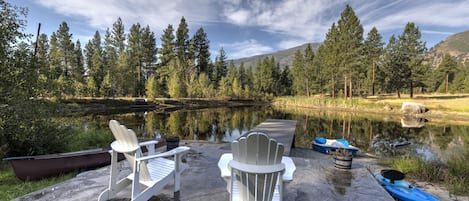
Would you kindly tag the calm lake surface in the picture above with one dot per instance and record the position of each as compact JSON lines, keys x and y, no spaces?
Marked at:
{"x":374,"y":134}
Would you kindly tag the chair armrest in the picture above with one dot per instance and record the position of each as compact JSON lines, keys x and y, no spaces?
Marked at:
{"x":121,"y":149}
{"x":261,"y":169}
{"x":176,"y":151}
{"x":146,"y":143}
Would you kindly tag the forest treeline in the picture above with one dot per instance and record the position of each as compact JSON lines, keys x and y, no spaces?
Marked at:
{"x":119,"y":64}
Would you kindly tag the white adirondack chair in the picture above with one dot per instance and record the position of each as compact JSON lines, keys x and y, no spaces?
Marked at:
{"x":256,"y":168}
{"x":152,"y":171}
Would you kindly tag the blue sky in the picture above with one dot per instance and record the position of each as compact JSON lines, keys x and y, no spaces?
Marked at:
{"x":249,"y":27}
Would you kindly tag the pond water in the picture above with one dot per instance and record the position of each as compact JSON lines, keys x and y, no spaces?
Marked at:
{"x":374,"y":134}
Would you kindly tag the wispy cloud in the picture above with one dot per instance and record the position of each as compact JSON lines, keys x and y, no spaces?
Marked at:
{"x":299,"y":18}
{"x":246,"y":48}
{"x":422,"y":12}
{"x":157,"y":13}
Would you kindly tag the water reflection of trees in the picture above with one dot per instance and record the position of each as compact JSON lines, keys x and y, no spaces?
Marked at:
{"x":205,"y":124}
{"x":226,"y":124}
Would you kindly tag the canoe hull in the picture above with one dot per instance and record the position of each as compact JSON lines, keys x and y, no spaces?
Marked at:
{"x":38,"y":167}
{"x":402,"y":190}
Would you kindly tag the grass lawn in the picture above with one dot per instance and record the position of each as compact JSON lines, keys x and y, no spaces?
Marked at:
{"x":12,"y":187}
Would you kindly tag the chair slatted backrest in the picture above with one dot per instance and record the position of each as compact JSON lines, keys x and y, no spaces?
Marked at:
{"x":257,"y":149}
{"x":127,"y":139}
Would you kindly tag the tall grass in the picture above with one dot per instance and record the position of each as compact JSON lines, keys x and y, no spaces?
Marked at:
{"x":454,"y":175}
{"x":11,"y":187}
{"x":361,"y":104}
{"x":458,"y":174}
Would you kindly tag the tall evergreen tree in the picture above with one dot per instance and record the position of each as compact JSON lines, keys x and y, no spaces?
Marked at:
{"x":373,"y":48}
{"x":42,"y":56}
{"x":54,"y":58}
{"x":393,"y":67}
{"x":167,"y":50}
{"x":201,"y":52}
{"x":298,"y":69}
{"x":285,"y":82}
{"x":111,"y":71}
{"x":412,"y":49}
{"x":327,"y":62}
{"x":309,"y":74}
{"x":447,"y":68}
{"x":220,"y":67}
{"x":98,"y":65}
{"x":118,"y":36}
{"x":166,"y":54}
{"x":135,"y":59}
{"x":350,"y":44}
{"x":149,"y":51}
{"x":65,"y":45}
{"x":78,"y":69}
{"x":182,"y":42}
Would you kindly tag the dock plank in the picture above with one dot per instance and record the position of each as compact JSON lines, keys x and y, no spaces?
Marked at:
{"x":283,"y":131}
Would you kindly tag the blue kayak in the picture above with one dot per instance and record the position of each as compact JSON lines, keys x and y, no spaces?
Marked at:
{"x":401,"y":190}
{"x":324,"y":145}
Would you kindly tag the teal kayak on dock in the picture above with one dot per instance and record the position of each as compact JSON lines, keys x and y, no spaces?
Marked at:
{"x":394,"y":183}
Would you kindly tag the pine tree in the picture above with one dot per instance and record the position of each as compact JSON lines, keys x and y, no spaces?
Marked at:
{"x":350,"y":45}
{"x":285,"y":82}
{"x":412,"y":49}
{"x":201,"y":51}
{"x":55,"y":56}
{"x":393,"y":67}
{"x":111,"y":59}
{"x":298,"y":69}
{"x":135,"y":59}
{"x":373,"y":48}
{"x":220,"y":68}
{"x":448,"y":68}
{"x":167,"y":53}
{"x":308,"y":66}
{"x":118,"y":36}
{"x":327,"y":62}
{"x":89,"y":51}
{"x":182,"y":42}
{"x":42,"y":56}
{"x":167,"y":50}
{"x":149,"y":50}
{"x":65,"y":46}
{"x":97,"y":70}
{"x":116,"y":43}
{"x":78,"y":69}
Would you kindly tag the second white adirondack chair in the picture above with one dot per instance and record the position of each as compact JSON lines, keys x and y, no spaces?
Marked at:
{"x":256,"y":168}
{"x":152,"y":171}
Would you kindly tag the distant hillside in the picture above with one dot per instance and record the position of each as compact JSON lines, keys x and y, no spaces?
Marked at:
{"x":284,"y":57}
{"x":456,"y":45}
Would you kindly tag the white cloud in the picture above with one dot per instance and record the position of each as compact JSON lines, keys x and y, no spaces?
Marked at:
{"x":437,"y":32}
{"x":246,"y":48}
{"x":395,"y":15}
{"x":157,"y":13}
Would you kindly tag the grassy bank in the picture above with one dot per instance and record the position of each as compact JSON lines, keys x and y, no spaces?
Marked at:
{"x":454,"y":175}
{"x":441,"y":107}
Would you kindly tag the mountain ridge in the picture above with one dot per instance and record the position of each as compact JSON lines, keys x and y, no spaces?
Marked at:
{"x":283,"y":57}
{"x":457,"y":45}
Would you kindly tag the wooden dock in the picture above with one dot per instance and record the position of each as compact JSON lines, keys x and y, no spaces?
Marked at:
{"x":281,"y":130}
